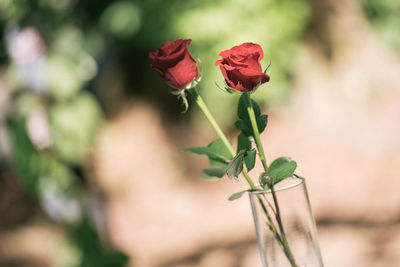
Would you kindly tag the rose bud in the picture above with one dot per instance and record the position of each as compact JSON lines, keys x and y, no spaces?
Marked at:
{"x":241,"y":67}
{"x":175,"y":65}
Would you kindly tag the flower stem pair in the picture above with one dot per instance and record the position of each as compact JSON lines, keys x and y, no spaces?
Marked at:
{"x":280,"y":236}
{"x":260,"y":148}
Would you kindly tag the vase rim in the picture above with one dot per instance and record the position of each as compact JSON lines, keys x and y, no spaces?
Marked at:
{"x":296,"y":182}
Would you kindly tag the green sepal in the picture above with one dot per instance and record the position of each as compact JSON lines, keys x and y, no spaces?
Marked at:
{"x":225,"y":89}
{"x":200,"y":69}
{"x":269,"y":65}
{"x":181,"y":94}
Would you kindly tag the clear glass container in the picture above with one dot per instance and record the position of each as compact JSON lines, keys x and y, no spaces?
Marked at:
{"x":294,"y":242}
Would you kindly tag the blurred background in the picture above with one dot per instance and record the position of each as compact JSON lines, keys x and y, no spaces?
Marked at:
{"x":91,"y":167}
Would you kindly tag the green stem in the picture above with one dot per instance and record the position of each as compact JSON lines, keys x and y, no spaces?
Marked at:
{"x":203,"y":107}
{"x":199,"y":101}
{"x":287,"y":249}
{"x":253,"y":121}
{"x":260,"y":148}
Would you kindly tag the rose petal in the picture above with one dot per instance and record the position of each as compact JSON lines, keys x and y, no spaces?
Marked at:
{"x":171,"y":49}
{"x":183,"y":73}
{"x":241,"y":67}
{"x":244,"y":49}
{"x":175,"y":65}
{"x":242,"y":79}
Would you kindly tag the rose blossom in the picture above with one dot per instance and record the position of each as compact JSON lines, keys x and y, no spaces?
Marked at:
{"x":241,"y":67}
{"x":175,"y":65}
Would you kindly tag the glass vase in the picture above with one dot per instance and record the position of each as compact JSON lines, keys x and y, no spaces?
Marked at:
{"x":285,"y":227}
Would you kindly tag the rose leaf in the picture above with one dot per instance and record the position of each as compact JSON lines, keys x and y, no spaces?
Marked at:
{"x":250,"y":159}
{"x":216,"y":152}
{"x":242,"y":108}
{"x":212,"y":173}
{"x":281,"y":168}
{"x":243,"y":142}
{"x":237,"y":195}
{"x":262,"y":122}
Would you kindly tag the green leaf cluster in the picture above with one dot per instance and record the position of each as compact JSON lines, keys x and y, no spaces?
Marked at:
{"x":235,"y":166}
{"x":245,"y":153}
{"x":221,"y":160}
{"x":219,"y":157}
{"x":244,"y":123}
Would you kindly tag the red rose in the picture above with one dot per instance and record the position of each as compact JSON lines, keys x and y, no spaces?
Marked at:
{"x":241,"y":67}
{"x":175,"y":65}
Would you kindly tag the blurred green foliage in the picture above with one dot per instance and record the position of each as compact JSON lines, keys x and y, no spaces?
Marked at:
{"x":385,"y":18}
{"x":49,"y":60}
{"x":75,"y":123}
{"x":276,"y":25}
{"x":93,"y":251}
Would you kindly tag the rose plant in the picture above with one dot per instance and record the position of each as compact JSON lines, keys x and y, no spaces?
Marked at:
{"x":242,"y":71}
